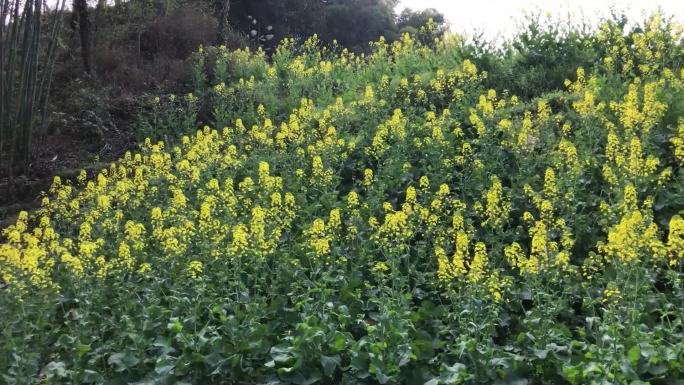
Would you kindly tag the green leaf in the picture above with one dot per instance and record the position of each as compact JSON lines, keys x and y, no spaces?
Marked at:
{"x":65,"y":341}
{"x":175,"y":326}
{"x":310,"y":379}
{"x":56,"y":369}
{"x":658,"y":370}
{"x":82,"y":349}
{"x":281,"y":353}
{"x":541,"y":353}
{"x":330,"y":364}
{"x":454,"y":374}
{"x":634,"y":354}
{"x":122,"y":361}
{"x":164,"y":370}
{"x":572,"y":373}
{"x":339,"y":342}
{"x":381,"y":377}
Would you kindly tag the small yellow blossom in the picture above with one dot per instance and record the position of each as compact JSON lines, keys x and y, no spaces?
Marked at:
{"x":195,"y":269}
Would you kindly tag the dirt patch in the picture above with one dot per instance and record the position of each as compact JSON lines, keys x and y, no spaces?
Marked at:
{"x":85,"y":140}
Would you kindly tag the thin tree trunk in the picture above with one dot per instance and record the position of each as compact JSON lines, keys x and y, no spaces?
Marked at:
{"x":8,"y":117}
{"x":18,"y":134}
{"x":4,"y":11}
{"x":224,"y":25}
{"x":99,"y":11}
{"x":46,"y":80}
{"x":81,"y":10}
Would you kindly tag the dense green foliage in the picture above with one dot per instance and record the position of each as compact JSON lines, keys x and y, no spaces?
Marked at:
{"x":395,"y":218}
{"x":353,"y":23}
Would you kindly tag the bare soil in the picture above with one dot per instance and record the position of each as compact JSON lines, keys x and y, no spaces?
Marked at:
{"x":83,"y":141}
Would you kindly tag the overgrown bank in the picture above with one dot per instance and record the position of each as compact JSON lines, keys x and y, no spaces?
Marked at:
{"x":385,"y":218}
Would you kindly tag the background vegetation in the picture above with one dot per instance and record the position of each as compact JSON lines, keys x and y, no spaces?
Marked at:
{"x":113,"y":57}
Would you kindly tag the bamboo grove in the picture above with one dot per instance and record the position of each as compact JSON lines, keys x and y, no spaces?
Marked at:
{"x":28,"y":42}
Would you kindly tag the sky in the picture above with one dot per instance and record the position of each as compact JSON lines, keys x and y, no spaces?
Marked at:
{"x":500,"y":17}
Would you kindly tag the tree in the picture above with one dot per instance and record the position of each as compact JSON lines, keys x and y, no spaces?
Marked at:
{"x":330,"y":19}
{"x":80,"y":8}
{"x":411,"y":21}
{"x":222,"y":14}
{"x":373,"y":18}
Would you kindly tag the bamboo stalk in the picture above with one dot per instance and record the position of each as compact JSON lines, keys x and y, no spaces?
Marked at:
{"x":4,"y":7}
{"x":27,"y":68}
{"x":8,"y":116}
{"x":46,"y":81}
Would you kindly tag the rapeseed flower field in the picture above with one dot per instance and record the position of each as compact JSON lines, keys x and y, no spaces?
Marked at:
{"x":381,"y":218}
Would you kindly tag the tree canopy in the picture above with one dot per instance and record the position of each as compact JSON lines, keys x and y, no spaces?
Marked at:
{"x":353,"y":23}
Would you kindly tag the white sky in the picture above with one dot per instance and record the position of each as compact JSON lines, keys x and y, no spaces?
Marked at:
{"x":500,"y":17}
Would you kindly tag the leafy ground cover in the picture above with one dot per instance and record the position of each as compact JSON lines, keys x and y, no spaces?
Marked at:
{"x":361,"y":219}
